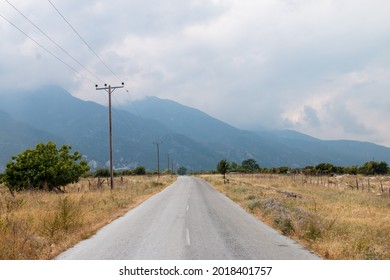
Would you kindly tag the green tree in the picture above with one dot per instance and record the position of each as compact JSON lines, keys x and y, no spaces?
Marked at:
{"x":374,"y":168}
{"x":139,"y":170}
{"x":351,"y":170}
{"x":280,"y":170}
{"x":325,"y":168}
{"x":234,"y":167}
{"x":45,"y":168}
{"x":223,"y":167}
{"x":102,"y":172}
{"x":250,"y":165}
{"x":182,"y":170}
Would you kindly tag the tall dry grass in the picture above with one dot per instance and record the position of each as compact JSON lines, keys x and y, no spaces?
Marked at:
{"x":40,"y":225}
{"x":328,"y":215}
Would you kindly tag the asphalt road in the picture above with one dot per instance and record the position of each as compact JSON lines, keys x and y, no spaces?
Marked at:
{"x":188,"y":220}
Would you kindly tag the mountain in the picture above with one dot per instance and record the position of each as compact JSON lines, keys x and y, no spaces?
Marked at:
{"x":84,"y":126}
{"x":190,"y":137}
{"x":337,"y":152}
{"x":15,"y":137}
{"x":269,"y":148}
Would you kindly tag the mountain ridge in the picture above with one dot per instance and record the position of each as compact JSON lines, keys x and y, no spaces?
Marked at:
{"x":270,"y":148}
{"x":189,"y":136}
{"x":84,"y":125}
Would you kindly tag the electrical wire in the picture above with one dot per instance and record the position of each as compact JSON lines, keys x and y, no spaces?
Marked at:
{"x":47,"y":50}
{"x":67,"y":53}
{"x":84,"y":41}
{"x":92,"y":50}
{"x":54,"y":42}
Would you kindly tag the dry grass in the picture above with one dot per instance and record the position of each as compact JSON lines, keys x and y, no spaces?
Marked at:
{"x":40,"y":225}
{"x":327,"y":215}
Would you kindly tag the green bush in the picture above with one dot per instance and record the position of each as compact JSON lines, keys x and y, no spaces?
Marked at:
{"x":140,"y":170}
{"x":45,"y":168}
{"x":102,"y":172}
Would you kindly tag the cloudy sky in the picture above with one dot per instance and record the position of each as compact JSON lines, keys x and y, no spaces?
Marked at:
{"x":321,"y":67}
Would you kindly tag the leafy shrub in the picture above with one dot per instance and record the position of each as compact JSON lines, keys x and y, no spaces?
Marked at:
{"x":45,"y":168}
{"x":102,"y":172}
{"x":139,"y":170}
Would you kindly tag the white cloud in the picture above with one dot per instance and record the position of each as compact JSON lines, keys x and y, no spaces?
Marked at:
{"x":322,"y":67}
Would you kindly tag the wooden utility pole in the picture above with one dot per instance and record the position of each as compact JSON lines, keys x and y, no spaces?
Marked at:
{"x":158,"y":157}
{"x":110,"y":90}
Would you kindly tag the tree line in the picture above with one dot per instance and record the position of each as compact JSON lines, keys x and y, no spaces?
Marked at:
{"x":47,"y":167}
{"x":251,"y":166}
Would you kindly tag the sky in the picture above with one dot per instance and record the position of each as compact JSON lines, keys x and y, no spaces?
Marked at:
{"x":321,"y":67}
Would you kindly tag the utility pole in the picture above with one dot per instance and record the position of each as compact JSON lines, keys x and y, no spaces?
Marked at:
{"x":168,"y":162}
{"x":110,"y":90}
{"x":158,"y":157}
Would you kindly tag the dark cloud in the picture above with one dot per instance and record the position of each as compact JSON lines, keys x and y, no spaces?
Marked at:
{"x":270,"y":63}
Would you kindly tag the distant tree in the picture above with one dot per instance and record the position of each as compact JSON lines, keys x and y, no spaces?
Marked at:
{"x":234,"y":166}
{"x":265,"y":170}
{"x":223,"y":167}
{"x":139,"y":170}
{"x":283,"y":170}
{"x":325,"y":168}
{"x":45,"y":168}
{"x":309,"y":170}
{"x":126,"y":172}
{"x":374,"y":168}
{"x":102,"y":172}
{"x":182,"y":170}
{"x":352,"y":170}
{"x":250,"y":165}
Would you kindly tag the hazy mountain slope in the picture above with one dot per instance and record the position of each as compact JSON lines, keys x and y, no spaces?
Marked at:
{"x":228,"y":141}
{"x":270,"y":148}
{"x":338,"y":152}
{"x":84,"y":125}
{"x":191,"y":137}
{"x":16,"y":137}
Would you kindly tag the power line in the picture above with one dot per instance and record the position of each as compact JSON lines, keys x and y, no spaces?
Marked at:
{"x":54,"y":42}
{"x":133,"y":103}
{"x":92,"y":50}
{"x":47,"y":50}
{"x":85,"y":42}
{"x":109,"y":89}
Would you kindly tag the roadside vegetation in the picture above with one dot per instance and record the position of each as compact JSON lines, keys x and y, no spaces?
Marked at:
{"x":338,"y":217}
{"x":48,"y":202}
{"x":44,"y":168}
{"x":38,"y":224}
{"x":251,"y":166}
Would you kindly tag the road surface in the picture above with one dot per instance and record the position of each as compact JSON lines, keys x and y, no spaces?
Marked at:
{"x":189,"y":220}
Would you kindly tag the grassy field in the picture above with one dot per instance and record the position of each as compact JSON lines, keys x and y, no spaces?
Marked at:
{"x":329,"y":215}
{"x":40,"y":225}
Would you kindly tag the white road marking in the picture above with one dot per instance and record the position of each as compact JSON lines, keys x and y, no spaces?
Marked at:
{"x":188,"y":207}
{"x":188,"y":237}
